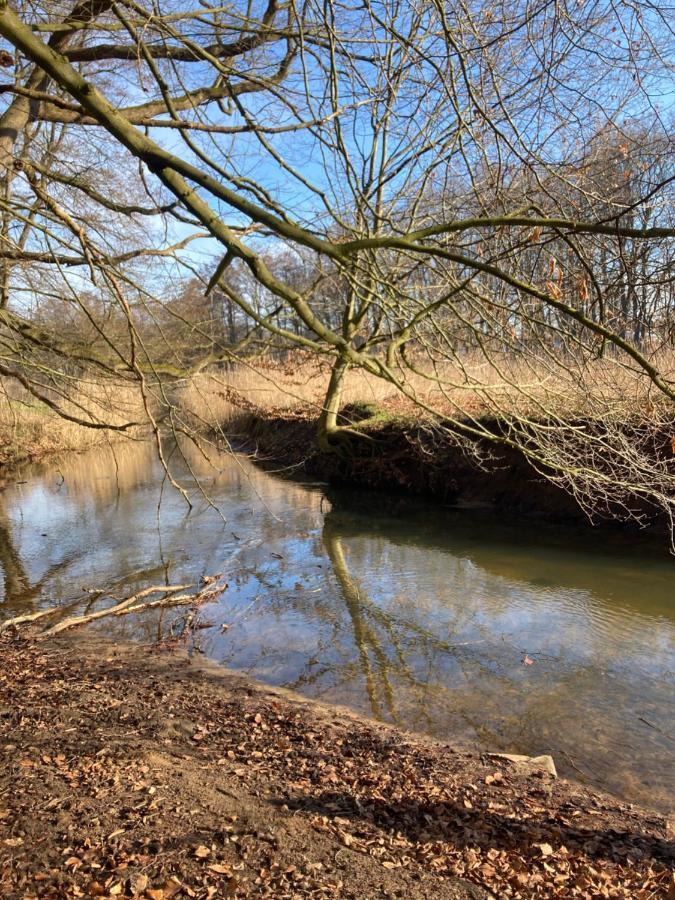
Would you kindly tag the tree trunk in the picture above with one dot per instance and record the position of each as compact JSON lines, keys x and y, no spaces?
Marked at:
{"x":328,"y":427}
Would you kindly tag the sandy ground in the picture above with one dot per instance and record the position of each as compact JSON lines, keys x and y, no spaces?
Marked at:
{"x":133,"y":771}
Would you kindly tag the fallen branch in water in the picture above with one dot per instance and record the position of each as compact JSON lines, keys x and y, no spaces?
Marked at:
{"x":127,"y":605}
{"x":27,"y":618}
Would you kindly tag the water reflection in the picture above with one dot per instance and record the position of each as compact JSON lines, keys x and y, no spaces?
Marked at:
{"x":440,"y":621}
{"x":13,"y":571}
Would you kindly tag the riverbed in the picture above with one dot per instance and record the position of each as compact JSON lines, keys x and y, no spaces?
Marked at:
{"x":509,"y":637}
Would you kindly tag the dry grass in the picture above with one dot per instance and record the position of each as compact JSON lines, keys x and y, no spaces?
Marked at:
{"x":224,"y":398}
{"x":30,"y":429}
{"x":566,"y":388}
{"x":471,"y":386}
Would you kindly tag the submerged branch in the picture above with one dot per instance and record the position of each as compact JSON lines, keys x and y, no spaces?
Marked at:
{"x":172,"y":596}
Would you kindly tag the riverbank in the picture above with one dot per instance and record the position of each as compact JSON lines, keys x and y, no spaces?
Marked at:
{"x":404,"y":456}
{"x":14,"y":454}
{"x":133,"y":770}
{"x":31,"y":431}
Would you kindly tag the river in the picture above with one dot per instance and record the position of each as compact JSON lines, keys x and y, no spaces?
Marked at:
{"x":512,"y":637}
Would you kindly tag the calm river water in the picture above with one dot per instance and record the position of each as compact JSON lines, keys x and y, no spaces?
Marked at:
{"x":507,"y":637}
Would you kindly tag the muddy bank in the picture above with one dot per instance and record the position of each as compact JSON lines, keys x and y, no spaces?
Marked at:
{"x":132,"y":771}
{"x":406,"y":458}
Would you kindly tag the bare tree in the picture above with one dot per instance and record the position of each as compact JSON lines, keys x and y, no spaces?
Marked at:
{"x":454,"y":177}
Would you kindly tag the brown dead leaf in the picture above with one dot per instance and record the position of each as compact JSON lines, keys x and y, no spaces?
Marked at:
{"x":202,"y":852}
{"x":172,"y":887}
{"x":554,"y":290}
{"x":138,"y":883}
{"x":220,"y":870}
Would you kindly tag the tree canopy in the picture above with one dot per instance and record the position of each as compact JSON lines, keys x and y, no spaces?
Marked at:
{"x":395,"y":186}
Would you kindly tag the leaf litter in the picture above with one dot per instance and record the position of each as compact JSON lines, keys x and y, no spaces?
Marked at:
{"x":127,"y":771}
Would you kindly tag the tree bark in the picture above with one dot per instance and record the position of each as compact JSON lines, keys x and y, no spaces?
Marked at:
{"x":328,"y":427}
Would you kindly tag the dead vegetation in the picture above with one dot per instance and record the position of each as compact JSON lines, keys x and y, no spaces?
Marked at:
{"x":130,"y":772}
{"x":474,"y":386}
{"x":29,"y":429}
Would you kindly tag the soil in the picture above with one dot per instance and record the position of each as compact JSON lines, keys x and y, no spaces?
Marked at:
{"x":137,"y":771}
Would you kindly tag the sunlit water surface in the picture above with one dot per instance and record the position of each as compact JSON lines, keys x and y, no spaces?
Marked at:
{"x":512,"y":638}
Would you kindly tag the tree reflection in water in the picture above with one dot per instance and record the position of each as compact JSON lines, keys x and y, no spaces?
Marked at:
{"x":417,"y":615}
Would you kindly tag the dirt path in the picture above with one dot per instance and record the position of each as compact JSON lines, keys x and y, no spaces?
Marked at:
{"x":131,"y":771}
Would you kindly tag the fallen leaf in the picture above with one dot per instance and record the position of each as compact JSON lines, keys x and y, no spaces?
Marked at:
{"x":138,"y":883}
{"x":172,"y":887}
{"x":220,"y":870}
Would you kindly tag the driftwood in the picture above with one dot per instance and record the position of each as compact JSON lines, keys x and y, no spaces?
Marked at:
{"x":171,"y":596}
{"x":43,"y":613}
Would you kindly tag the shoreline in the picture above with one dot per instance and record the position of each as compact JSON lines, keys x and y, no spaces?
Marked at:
{"x":11,"y":462}
{"x":130,"y":770}
{"x":403,"y":460}
{"x":400,"y":463}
